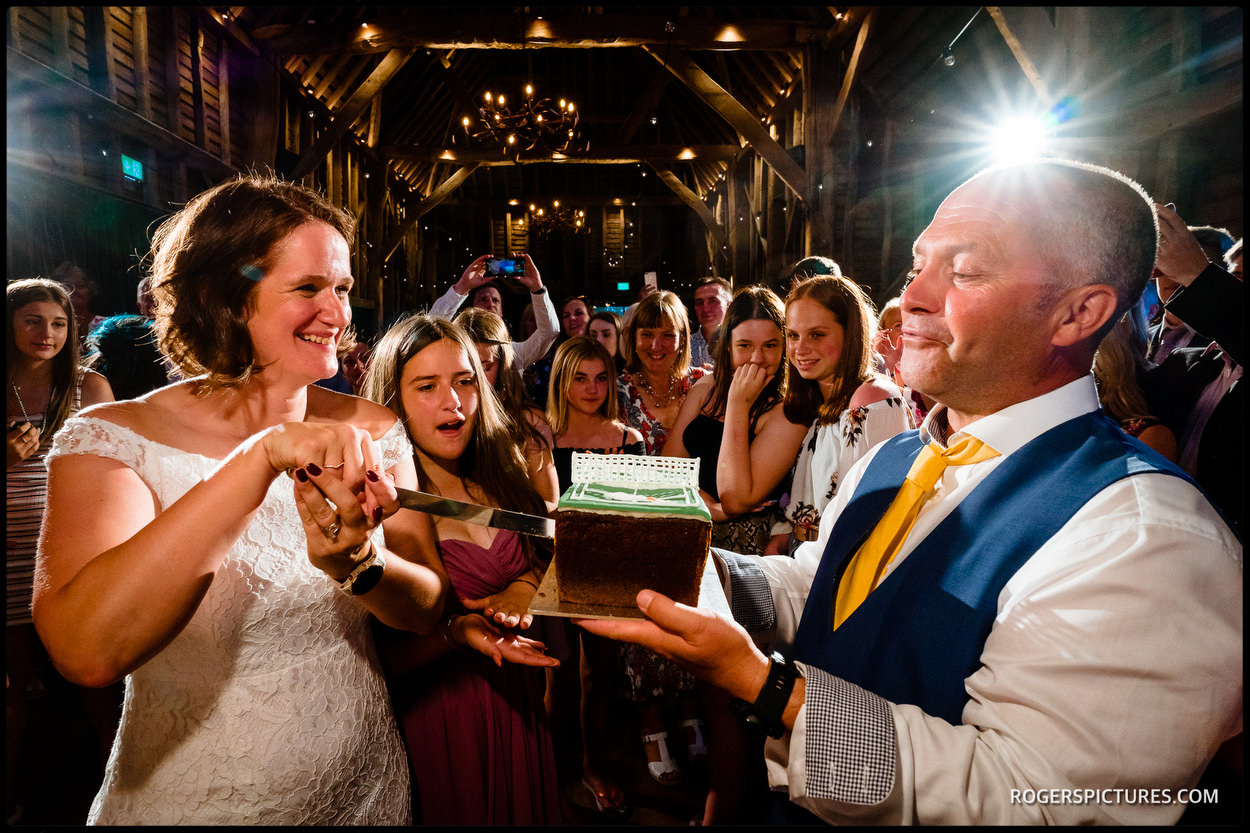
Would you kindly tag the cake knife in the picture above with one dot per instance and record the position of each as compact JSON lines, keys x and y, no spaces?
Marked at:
{"x":477,"y":514}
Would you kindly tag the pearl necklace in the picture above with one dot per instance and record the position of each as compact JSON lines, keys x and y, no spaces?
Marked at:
{"x":25,"y":416}
{"x":669,"y":395}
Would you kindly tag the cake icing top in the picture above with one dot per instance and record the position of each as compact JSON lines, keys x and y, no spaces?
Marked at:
{"x":633,"y":484}
{"x":662,"y":501}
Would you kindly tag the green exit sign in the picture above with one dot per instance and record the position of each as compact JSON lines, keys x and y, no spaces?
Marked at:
{"x":132,"y":169}
{"x":622,"y":286}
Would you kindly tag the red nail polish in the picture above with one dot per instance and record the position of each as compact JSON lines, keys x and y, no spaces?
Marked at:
{"x":301,"y":475}
{"x":377,"y":514}
{"x":314,"y":469}
{"x":372,"y":475}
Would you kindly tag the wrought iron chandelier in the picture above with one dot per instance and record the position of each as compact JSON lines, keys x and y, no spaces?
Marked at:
{"x":556,"y":219}
{"x":535,"y":122}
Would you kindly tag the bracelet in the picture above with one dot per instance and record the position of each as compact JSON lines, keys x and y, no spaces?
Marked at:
{"x":527,"y":581}
{"x":542,"y":290}
{"x":447,"y":630}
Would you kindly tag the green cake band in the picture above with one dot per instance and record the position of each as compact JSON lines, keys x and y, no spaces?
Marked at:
{"x":665,"y":501}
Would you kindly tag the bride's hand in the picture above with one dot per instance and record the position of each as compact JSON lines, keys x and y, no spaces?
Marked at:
{"x":336,"y":445}
{"x":340,"y":499}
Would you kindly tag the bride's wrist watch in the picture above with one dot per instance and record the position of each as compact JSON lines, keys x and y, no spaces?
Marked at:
{"x":366,"y":574}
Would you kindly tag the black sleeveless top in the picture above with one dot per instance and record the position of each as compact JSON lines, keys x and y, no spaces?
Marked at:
{"x":564,"y":457}
{"x":702,"y":439}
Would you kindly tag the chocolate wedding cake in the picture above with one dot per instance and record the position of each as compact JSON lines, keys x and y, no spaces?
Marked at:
{"x":630,"y":522}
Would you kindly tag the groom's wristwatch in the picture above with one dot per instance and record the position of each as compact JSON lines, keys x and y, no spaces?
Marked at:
{"x":771,"y":703}
{"x":366,"y":575}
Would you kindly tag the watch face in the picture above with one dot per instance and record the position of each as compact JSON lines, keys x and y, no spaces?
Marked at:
{"x":367,"y":580}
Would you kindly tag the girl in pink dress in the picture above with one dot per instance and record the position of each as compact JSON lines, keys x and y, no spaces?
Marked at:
{"x":473,"y":721}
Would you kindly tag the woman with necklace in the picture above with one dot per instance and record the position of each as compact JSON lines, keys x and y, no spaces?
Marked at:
{"x":651,"y":390}
{"x":657,"y":373}
{"x":45,"y":385}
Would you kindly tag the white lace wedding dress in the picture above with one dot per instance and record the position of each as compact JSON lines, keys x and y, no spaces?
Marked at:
{"x":269,"y":707}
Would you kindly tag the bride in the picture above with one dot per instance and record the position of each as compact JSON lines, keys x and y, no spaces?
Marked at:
{"x":235,"y":600}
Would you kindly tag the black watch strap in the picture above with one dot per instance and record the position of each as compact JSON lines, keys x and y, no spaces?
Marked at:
{"x":770,"y":705}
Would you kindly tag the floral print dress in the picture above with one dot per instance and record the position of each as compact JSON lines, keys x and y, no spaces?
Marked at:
{"x":647,"y":674}
{"x":634,"y":411}
{"x":829,"y":451}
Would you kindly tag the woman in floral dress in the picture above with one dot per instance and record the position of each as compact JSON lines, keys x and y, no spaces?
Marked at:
{"x":651,"y":391}
{"x":829,"y":333}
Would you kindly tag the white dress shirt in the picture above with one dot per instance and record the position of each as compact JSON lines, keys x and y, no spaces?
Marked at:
{"x":1115,"y":663}
{"x":526,"y":352}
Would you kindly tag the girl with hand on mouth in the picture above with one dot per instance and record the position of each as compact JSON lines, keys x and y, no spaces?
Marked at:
{"x":470,"y":710}
{"x":177,"y":553}
{"x":734,"y":422}
{"x":833,"y":389}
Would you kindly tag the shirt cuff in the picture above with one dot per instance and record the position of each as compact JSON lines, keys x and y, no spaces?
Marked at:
{"x":849,"y":742}
{"x":751,"y":597}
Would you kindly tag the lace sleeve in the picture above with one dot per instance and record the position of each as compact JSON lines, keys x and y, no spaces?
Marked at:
{"x":99,"y":437}
{"x":395,"y":445}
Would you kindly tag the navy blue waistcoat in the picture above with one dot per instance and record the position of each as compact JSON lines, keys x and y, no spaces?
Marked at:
{"x":920,"y":633}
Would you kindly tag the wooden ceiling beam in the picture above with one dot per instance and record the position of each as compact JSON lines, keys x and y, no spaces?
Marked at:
{"x":741,"y":119}
{"x":695,"y":203}
{"x":573,"y":200}
{"x":352,"y":110}
{"x":1022,"y":57}
{"x":501,"y":31}
{"x":602,"y":155}
{"x":415,"y":213}
{"x":851,"y":68}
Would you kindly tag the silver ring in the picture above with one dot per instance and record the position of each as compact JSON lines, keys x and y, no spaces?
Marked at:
{"x":332,"y":531}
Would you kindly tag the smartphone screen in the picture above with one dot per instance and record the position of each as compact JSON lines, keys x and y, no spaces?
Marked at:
{"x":505,"y":268}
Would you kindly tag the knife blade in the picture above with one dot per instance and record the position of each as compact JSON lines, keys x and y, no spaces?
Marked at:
{"x":475,"y":513}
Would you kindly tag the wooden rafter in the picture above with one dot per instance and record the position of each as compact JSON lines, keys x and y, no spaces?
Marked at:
{"x":851,"y":68}
{"x":1022,"y":57}
{"x":351,"y":111}
{"x":694,"y":201}
{"x":415,"y":213}
{"x":602,"y":155}
{"x":500,"y":31}
{"x":741,"y":119}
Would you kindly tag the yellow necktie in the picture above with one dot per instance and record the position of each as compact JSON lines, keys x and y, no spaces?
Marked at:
{"x":865,"y":569}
